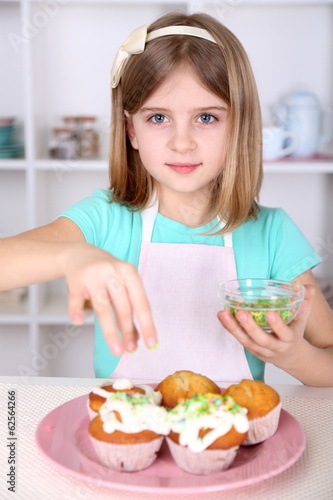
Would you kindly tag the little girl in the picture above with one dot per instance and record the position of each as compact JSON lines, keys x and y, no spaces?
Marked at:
{"x":181,"y":215}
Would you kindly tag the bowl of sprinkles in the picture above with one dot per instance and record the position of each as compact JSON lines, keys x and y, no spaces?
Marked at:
{"x":258,"y":296}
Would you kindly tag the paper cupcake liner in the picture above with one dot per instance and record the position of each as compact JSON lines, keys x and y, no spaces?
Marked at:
{"x":127,"y":457}
{"x":205,"y":462}
{"x":262,"y":428}
{"x":92,"y":413}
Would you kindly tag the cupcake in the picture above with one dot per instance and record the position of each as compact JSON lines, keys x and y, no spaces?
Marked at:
{"x":263,"y":408}
{"x":128,"y":431}
{"x":206,"y":432}
{"x":183,"y":385}
{"x":99,"y":394}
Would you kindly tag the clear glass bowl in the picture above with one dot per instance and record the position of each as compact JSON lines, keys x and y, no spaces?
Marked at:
{"x":258,"y":296}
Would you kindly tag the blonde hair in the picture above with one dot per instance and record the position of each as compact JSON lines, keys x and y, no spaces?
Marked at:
{"x":224,"y":69}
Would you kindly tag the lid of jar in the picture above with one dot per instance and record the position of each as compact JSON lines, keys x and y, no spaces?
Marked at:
{"x":302,"y":98}
{"x":70,"y":118}
{"x":62,"y":130}
{"x":86,"y":118}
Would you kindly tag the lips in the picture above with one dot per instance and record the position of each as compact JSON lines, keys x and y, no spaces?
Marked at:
{"x":183,"y":168}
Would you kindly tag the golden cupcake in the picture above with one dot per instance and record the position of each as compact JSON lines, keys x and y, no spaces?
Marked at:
{"x":206,"y":432}
{"x":263,"y":405}
{"x":128,"y":432}
{"x":183,"y":385}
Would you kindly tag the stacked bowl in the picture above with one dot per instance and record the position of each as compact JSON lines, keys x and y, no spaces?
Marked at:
{"x":8,"y":148}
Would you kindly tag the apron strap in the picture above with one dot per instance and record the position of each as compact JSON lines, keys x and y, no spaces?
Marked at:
{"x":148,"y":216}
{"x":228,"y":240}
{"x":227,"y":237}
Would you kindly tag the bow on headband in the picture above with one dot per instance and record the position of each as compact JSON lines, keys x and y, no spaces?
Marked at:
{"x":135,"y":44}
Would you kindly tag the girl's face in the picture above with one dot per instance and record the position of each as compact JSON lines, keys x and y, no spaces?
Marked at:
{"x":180,"y":133}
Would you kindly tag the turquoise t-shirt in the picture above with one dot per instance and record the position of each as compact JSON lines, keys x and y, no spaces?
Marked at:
{"x":270,"y":247}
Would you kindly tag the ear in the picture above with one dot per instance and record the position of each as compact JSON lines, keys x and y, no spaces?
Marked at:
{"x":130,"y":130}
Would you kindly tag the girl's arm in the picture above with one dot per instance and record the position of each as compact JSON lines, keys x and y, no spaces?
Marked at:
{"x":58,"y":250}
{"x":304,"y":349}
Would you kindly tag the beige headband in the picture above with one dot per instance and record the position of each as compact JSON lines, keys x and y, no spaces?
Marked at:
{"x":135,"y":44}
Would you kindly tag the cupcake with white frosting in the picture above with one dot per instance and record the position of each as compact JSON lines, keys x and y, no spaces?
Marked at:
{"x":206,"y":432}
{"x":100,"y":393}
{"x":128,"y":431}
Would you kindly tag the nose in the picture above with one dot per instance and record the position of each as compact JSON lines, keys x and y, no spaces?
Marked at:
{"x":182,"y":139}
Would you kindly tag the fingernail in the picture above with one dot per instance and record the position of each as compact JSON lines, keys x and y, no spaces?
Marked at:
{"x":242,"y":317}
{"x":77,"y":319}
{"x":152,"y":345}
{"x":131,"y":346}
{"x":226,"y":318}
{"x":117,"y":349}
{"x":271,"y":317}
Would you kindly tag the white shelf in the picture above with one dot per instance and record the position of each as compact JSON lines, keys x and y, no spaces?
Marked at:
{"x":15,"y":313}
{"x":178,"y":2}
{"x":79,"y":165}
{"x":298,"y":167}
{"x":13,"y":164}
{"x":276,"y":167}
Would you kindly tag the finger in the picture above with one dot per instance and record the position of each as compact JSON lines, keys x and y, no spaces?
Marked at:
{"x":260,"y":337}
{"x":141,"y":307}
{"x":289,"y":333}
{"x":249,"y":334}
{"x":123,"y":313}
{"x":75,"y":306}
{"x":229,"y":323}
{"x":102,"y":306}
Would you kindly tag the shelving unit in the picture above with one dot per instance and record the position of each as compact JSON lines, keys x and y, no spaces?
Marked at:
{"x":58,"y":57}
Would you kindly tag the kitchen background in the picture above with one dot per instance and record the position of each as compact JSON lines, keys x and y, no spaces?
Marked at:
{"x":56,"y":58}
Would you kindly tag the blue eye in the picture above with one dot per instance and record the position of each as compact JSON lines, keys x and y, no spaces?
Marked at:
{"x":206,"y":118}
{"x":158,"y":118}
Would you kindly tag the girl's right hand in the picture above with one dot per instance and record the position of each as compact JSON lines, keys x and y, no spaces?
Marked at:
{"x":110,"y":284}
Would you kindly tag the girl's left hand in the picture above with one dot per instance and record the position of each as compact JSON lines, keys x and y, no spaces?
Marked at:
{"x":279,"y":347}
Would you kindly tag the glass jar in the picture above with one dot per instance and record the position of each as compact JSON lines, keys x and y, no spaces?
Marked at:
{"x":63,"y":146}
{"x":88,"y":137}
{"x":71,"y":122}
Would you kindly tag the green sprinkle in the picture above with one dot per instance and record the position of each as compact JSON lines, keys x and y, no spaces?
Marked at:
{"x":154,"y":347}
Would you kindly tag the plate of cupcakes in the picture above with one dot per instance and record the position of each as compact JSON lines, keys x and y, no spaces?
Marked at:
{"x":183,"y":435}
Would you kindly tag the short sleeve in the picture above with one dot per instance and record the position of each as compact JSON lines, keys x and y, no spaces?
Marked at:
{"x":291,"y":252}
{"x":94,"y":216}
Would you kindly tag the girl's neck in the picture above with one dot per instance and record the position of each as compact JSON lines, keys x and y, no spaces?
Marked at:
{"x":187,"y":208}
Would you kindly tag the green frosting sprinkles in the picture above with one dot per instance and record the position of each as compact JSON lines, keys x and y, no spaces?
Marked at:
{"x":279,"y":305}
{"x":131,"y":397}
{"x":206,"y":404}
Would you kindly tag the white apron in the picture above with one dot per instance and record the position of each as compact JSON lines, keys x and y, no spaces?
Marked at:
{"x":180,"y":281}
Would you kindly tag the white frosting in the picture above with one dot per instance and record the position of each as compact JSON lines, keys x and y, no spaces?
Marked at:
{"x":149,"y":391}
{"x":126,"y":384}
{"x":206,"y":412}
{"x":122,"y":384}
{"x":100,"y":392}
{"x":138,"y":412}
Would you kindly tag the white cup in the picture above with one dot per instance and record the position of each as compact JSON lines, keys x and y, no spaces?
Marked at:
{"x":274,"y":143}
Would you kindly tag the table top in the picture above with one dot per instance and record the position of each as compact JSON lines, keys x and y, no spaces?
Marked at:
{"x":36,"y":478}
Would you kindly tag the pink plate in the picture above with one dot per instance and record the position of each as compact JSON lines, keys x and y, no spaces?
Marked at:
{"x":62,"y":438}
